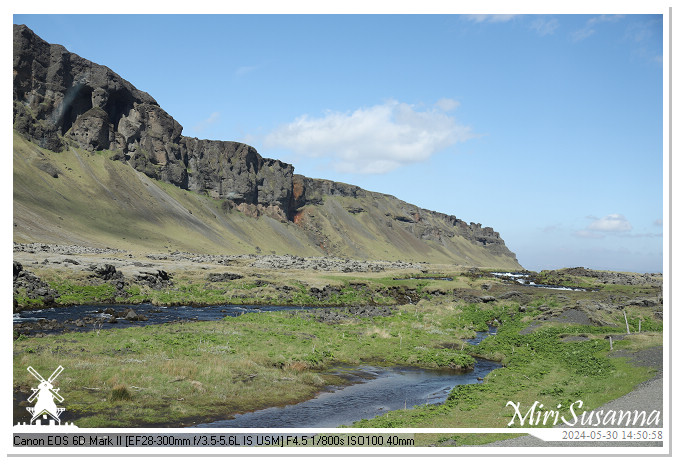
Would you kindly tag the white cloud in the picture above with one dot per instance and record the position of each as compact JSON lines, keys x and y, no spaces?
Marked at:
{"x":582,"y":34}
{"x":541,"y":25}
{"x":589,"y":28}
{"x":490,"y":18}
{"x":447,"y":104}
{"x":645,"y":39}
{"x":373,"y":140}
{"x":204,"y":124}
{"x":610,"y":223}
{"x":544,"y":26}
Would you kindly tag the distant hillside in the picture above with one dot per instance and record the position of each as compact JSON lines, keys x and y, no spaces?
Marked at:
{"x":98,"y":162}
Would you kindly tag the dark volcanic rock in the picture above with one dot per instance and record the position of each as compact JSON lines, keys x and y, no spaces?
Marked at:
{"x":511,"y":295}
{"x":645,"y":302}
{"x":53,"y":87}
{"x":324,"y":293}
{"x":333,"y":316}
{"x":107,"y":272}
{"x":608,"y":277}
{"x":223,"y":277}
{"x":92,"y":130}
{"x":31,"y":286}
{"x":48,"y":167}
{"x":236,"y":172}
{"x":158,"y":280}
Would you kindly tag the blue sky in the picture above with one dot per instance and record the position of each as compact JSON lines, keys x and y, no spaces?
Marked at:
{"x":548,"y":128}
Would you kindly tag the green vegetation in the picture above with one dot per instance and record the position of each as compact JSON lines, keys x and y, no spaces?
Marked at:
{"x":24,"y":301}
{"x":72,"y":293}
{"x":344,"y":291}
{"x":183,"y":373}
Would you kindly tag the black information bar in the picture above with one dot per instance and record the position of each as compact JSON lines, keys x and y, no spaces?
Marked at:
{"x":164,"y":440}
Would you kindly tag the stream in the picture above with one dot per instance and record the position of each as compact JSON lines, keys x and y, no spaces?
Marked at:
{"x":523,"y":279}
{"x":96,"y":317}
{"x":376,"y":391}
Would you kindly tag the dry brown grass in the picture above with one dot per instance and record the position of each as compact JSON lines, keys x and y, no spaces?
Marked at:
{"x":298,"y":366}
{"x":377,"y":331}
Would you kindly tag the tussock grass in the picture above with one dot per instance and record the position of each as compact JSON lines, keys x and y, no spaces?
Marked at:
{"x":120,"y":393}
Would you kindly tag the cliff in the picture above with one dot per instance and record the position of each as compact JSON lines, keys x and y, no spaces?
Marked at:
{"x":63,"y":102}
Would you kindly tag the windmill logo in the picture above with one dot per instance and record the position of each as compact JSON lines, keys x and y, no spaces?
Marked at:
{"x":45,"y":394}
{"x":45,"y":412}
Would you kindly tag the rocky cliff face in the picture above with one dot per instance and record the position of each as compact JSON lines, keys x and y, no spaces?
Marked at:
{"x":62,"y":100}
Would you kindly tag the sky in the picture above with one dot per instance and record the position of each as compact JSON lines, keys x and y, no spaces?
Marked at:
{"x":546,"y":127}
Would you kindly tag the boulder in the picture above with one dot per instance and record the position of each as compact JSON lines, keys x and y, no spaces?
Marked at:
{"x":92,"y":130}
{"x":159,"y":279}
{"x":107,"y":272}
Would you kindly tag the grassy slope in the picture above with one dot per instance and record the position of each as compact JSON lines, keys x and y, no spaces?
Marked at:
{"x":373,"y":234}
{"x":98,"y":202}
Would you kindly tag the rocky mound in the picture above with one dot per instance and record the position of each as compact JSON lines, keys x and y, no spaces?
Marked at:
{"x":31,"y":286}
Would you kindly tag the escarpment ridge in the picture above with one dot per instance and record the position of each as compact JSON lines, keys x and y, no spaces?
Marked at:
{"x":68,"y":109}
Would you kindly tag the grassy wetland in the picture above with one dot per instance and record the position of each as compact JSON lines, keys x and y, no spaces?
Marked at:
{"x":554,"y":345}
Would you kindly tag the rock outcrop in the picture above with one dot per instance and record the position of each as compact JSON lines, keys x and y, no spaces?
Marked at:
{"x":62,"y":100}
{"x":30,"y":286}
